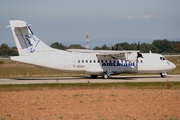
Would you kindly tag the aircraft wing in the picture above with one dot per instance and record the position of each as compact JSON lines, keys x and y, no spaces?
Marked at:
{"x":110,"y":52}
{"x":103,"y":52}
{"x":81,"y":50}
{"x":123,"y":55}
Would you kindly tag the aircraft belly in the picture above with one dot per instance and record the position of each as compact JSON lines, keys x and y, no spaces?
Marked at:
{"x":95,"y":71}
{"x":121,"y":68}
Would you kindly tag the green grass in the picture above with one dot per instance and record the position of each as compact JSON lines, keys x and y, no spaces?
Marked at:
{"x":176,"y":61}
{"x":11,"y":69}
{"x":131,"y":85}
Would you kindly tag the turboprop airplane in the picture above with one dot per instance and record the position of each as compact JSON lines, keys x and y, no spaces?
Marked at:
{"x":95,"y":63}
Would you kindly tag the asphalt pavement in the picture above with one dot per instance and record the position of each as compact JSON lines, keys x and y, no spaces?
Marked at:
{"x":139,"y":78}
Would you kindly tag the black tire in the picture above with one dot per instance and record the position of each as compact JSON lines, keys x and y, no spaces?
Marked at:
{"x":162,"y":75}
{"x":105,"y":76}
{"x":94,"y":76}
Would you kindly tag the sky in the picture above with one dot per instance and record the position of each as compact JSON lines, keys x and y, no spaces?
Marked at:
{"x":66,"y":21}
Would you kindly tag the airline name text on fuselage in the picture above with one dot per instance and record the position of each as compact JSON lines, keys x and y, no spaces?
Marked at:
{"x":119,"y":64}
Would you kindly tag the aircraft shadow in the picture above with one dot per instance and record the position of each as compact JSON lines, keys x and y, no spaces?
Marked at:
{"x":133,"y":77}
{"x":89,"y":78}
{"x":50,"y":78}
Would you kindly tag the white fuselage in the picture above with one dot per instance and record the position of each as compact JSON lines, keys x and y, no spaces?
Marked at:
{"x":94,"y":62}
{"x":96,"y":65}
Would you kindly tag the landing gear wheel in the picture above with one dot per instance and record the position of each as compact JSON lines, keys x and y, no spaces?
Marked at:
{"x":94,"y":76}
{"x":163,"y":75}
{"x":105,"y":76}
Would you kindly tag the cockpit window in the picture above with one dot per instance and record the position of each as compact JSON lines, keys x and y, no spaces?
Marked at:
{"x":162,"y":58}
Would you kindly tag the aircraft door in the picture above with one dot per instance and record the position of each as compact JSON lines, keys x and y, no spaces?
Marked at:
{"x":139,"y":64}
{"x":66,"y":64}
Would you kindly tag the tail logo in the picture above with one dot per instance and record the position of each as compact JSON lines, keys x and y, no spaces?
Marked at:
{"x":32,"y":41}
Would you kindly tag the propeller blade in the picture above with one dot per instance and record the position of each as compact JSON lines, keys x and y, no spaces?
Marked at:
{"x":117,"y":46}
{"x":112,"y":47}
{"x":138,"y":48}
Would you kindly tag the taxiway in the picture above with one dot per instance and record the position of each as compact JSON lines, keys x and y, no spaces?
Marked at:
{"x":139,"y":78}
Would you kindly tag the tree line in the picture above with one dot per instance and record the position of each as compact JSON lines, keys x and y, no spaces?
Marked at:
{"x":6,"y":51}
{"x":157,"y":46}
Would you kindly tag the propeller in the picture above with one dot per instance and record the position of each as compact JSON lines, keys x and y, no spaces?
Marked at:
{"x":138,"y":45}
{"x":138,"y":48}
{"x":112,"y":47}
{"x":139,"y":55}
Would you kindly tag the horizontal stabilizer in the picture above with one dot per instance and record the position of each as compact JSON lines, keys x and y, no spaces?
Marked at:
{"x":18,"y":24}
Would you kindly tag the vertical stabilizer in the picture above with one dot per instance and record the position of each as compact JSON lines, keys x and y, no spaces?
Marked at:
{"x":27,"y":43}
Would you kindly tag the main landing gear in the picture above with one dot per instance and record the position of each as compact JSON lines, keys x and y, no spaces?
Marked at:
{"x":163,"y":75}
{"x":94,"y":76}
{"x":105,"y":76}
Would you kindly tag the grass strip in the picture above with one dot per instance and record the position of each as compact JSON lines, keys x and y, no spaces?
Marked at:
{"x":61,"y":86}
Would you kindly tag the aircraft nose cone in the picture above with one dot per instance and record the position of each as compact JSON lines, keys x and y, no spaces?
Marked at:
{"x":173,"y":66}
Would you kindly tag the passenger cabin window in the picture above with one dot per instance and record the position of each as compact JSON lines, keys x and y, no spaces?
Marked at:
{"x":82,"y":61}
{"x":86,"y":61}
{"x":78,"y":61}
{"x":90,"y":61}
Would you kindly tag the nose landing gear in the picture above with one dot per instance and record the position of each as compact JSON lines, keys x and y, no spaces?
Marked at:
{"x":163,"y":75}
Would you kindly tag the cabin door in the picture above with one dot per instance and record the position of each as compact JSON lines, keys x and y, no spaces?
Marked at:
{"x":140,"y":65}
